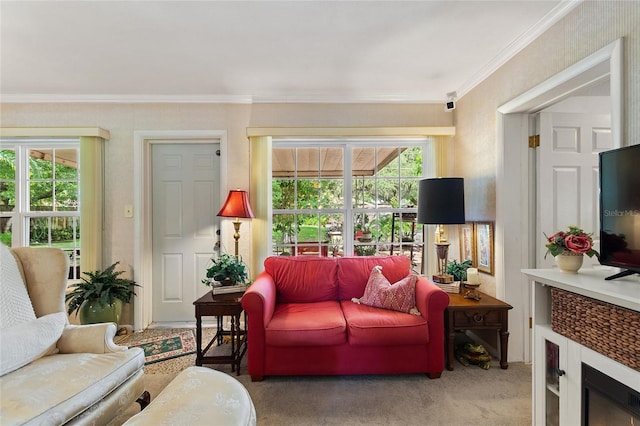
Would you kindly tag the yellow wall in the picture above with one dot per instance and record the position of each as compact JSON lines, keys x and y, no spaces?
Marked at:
{"x":122,"y":120}
{"x":589,"y":27}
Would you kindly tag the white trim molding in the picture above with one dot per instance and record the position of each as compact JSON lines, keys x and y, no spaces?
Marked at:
{"x":515,"y":233}
{"x":142,"y":254}
{"x":395,"y":132}
{"x":53,"y":132}
{"x":550,"y":19}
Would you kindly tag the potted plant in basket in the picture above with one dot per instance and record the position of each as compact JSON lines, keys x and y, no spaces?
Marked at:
{"x":568,"y":248}
{"x":100,"y":296}
{"x":227,"y":270}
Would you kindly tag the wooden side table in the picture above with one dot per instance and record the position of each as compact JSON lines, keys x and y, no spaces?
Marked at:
{"x":219,"y":306}
{"x":469,"y":314}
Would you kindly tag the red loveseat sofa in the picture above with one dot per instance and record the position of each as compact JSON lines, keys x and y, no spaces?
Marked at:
{"x":302,"y":320}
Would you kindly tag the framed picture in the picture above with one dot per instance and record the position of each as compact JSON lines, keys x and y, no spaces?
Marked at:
{"x":467,"y":246}
{"x":484,"y":246}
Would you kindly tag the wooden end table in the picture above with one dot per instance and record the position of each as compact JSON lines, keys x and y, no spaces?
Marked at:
{"x":219,"y":306}
{"x":469,"y":314}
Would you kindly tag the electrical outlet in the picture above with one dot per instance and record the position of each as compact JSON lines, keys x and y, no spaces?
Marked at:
{"x":128,"y":210}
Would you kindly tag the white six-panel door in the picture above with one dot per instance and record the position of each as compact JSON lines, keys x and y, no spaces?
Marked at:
{"x":185,"y":200}
{"x":567,"y":184}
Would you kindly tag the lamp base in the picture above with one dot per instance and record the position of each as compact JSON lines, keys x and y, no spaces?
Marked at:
{"x":442,"y":279}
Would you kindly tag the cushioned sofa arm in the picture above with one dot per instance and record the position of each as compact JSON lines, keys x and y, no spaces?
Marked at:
{"x":259,"y":303}
{"x":260,"y":298}
{"x":430,"y":299}
{"x":92,"y":338}
{"x":431,"y":302}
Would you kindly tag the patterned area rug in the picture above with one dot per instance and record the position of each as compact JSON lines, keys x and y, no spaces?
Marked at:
{"x":164,"y":346}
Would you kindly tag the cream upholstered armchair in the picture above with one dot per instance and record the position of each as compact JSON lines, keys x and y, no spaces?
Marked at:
{"x":52,"y":372}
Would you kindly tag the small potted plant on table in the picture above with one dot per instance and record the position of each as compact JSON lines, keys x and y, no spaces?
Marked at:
{"x":458,"y":269}
{"x":227,"y":270}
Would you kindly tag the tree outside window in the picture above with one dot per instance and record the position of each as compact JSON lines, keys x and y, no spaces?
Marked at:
{"x":313,"y":214}
{"x":39,"y":193}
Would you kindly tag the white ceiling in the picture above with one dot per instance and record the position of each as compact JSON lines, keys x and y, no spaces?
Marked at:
{"x":260,"y":51}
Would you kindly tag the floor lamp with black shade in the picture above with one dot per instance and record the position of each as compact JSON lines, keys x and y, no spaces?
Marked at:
{"x":441,"y":202}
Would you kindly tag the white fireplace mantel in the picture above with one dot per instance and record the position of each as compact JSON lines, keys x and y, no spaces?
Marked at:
{"x":590,"y":282}
{"x":623,"y":292}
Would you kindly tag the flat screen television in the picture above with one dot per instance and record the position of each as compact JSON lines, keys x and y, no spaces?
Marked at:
{"x":620,"y":209}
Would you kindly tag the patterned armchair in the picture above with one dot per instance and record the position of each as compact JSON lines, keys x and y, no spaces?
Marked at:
{"x":52,"y":372}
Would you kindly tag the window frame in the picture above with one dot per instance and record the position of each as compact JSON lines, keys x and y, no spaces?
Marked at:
{"x":22,"y":214}
{"x":348,"y":210}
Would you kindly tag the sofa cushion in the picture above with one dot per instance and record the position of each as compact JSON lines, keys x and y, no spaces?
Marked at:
{"x":306,"y":324}
{"x":57,"y":388}
{"x":199,"y":396}
{"x":303,"y":279}
{"x":380,"y":293}
{"x":15,"y":304}
{"x":353,"y":272}
{"x":367,"y":325}
{"x":24,"y":343}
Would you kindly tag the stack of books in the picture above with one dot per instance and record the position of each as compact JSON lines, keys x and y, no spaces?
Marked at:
{"x":450,"y":288}
{"x":238,"y":288}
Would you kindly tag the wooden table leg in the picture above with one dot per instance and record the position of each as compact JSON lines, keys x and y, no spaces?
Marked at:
{"x":199,"y":353}
{"x":232,"y":336}
{"x":220,"y":331}
{"x":450,"y":334}
{"x":504,"y":344}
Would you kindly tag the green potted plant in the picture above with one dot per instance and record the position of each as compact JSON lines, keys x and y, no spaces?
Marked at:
{"x":228,"y":270}
{"x":458,"y":270}
{"x":100,"y":295}
{"x":366,"y":229}
{"x":365,"y":250}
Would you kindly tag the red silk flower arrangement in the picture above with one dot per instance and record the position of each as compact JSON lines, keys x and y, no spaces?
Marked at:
{"x":574,"y":241}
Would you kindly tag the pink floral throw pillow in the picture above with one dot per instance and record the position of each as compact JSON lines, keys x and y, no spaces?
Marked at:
{"x":380,"y":293}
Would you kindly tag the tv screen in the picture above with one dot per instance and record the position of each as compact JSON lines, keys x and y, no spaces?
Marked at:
{"x":620,"y":209}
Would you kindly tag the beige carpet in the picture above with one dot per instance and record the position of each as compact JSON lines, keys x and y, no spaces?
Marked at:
{"x":465,"y":396}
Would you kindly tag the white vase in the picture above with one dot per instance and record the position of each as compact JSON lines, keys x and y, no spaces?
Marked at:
{"x":569,"y":262}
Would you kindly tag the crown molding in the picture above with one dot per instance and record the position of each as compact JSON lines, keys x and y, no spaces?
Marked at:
{"x":351,"y":131}
{"x":126,"y":99}
{"x":322,"y":99}
{"x":550,"y":19}
{"x":211,"y":99}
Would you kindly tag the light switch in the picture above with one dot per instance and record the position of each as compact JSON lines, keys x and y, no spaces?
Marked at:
{"x":128,"y":210}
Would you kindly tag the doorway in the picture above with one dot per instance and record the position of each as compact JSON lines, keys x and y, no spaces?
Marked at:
{"x":145,"y":272}
{"x":185,"y":196}
{"x":572,"y":133}
{"x":515,"y":190}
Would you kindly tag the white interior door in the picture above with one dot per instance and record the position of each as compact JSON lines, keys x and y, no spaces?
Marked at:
{"x":185,"y":197}
{"x":567,"y":184}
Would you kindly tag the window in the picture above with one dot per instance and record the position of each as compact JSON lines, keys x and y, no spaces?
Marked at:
{"x":347,"y":197}
{"x":39,"y":195}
